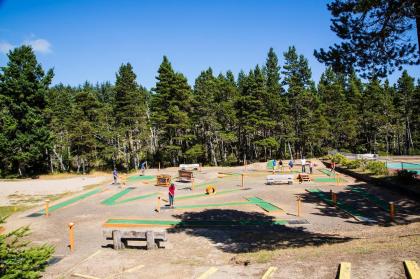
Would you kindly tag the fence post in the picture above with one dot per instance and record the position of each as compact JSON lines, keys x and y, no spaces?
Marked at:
{"x":391,"y":211}
{"x":71,"y":236}
{"x":47,"y":201}
{"x":242,"y":184}
{"x":298,"y":206}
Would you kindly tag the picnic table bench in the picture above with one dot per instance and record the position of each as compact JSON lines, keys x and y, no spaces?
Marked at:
{"x":185,"y":176}
{"x":279,"y":178}
{"x":120,"y":237}
{"x":304,"y":177}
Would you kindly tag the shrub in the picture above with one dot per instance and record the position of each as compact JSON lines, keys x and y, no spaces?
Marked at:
{"x":353,"y":164}
{"x":17,"y":259}
{"x":406,"y":176}
{"x":377,"y":167}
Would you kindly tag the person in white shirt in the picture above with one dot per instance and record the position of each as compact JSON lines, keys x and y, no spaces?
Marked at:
{"x":303,"y":164}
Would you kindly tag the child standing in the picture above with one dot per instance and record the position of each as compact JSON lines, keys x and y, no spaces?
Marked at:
{"x":171,"y":195}
{"x":115,"y":175}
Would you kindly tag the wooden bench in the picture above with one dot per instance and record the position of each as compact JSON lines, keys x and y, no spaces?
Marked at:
{"x":120,"y":237}
{"x":304,"y":177}
{"x":163,"y":180}
{"x":185,"y":176}
{"x":279,"y":178}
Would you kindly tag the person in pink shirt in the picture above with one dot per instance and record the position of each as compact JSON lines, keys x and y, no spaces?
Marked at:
{"x":171,"y":195}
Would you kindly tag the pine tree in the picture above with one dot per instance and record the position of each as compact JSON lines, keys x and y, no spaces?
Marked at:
{"x":25,"y":139}
{"x":130,"y":116}
{"x":171,"y":108}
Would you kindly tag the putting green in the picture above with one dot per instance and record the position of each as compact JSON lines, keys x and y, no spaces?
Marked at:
{"x":327,"y":172}
{"x":251,"y":201}
{"x":192,"y":223}
{"x":206,"y":195}
{"x":346,"y":208}
{"x":372,"y":198}
{"x":140,"y":177}
{"x":113,"y":200}
{"x":328,"y":179}
{"x":71,"y":201}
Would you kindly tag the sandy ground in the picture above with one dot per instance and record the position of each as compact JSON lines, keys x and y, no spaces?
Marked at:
{"x":19,"y":189}
{"x":312,"y":250}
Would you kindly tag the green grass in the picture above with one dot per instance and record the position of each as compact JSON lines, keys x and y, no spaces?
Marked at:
{"x":10,"y":209}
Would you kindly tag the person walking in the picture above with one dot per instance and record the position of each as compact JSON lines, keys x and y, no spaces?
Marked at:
{"x":171,"y":195}
{"x":290,"y":165}
{"x":303,"y":162}
{"x":274,"y":165}
{"x":281,"y":165}
{"x":115,"y":175}
{"x":143,"y":167}
{"x":311,"y":165}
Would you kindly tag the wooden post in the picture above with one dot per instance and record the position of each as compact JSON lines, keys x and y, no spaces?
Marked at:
{"x":298,"y":206}
{"x":192,"y":184}
{"x":334,"y":198}
{"x":71,"y":236}
{"x":391,"y":211}
{"x":158,"y":204}
{"x":159,"y":167}
{"x":47,"y":201}
{"x":242,"y":176}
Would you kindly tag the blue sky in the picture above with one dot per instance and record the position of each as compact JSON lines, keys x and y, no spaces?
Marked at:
{"x":88,"y":40}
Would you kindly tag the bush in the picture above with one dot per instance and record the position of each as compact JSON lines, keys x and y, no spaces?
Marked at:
{"x":377,"y":167}
{"x":17,"y":259}
{"x":353,"y":164}
{"x":406,"y":176}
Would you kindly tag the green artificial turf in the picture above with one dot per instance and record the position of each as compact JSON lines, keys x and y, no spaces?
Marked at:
{"x":195,"y":223}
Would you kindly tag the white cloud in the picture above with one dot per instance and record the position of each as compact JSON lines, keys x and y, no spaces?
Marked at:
{"x":5,"y":47}
{"x":39,"y":45}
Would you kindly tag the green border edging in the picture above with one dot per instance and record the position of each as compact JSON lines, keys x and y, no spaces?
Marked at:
{"x":372,"y":198}
{"x":264,"y":205}
{"x":346,"y":208}
{"x":195,"y":223}
{"x":71,"y":201}
{"x":113,"y":200}
{"x":206,"y":195}
{"x":140,"y":177}
{"x":328,"y":179}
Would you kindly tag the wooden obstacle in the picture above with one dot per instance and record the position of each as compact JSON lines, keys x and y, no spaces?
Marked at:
{"x":344,"y":271}
{"x":412,"y":270}
{"x":189,"y":166}
{"x":120,"y":237}
{"x":185,"y":176}
{"x":163,"y":180}
{"x":303,"y":177}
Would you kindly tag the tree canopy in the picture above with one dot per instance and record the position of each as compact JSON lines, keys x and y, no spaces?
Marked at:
{"x":375,"y":36}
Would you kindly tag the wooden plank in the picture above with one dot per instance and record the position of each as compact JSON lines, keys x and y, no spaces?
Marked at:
{"x":270,"y":271}
{"x":206,"y":274}
{"x":134,"y":234}
{"x":412,"y":269}
{"x":345,"y":270}
{"x":84,"y":276}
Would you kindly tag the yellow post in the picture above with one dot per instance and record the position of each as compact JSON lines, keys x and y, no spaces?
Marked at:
{"x":71,"y":236}
{"x":158,"y":204}
{"x":47,"y":204}
{"x":242,"y":184}
{"x":298,"y":206}
{"x":391,"y":211}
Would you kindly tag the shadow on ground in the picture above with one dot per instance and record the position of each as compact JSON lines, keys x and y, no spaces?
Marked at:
{"x":243,"y":232}
{"x":406,"y":210}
